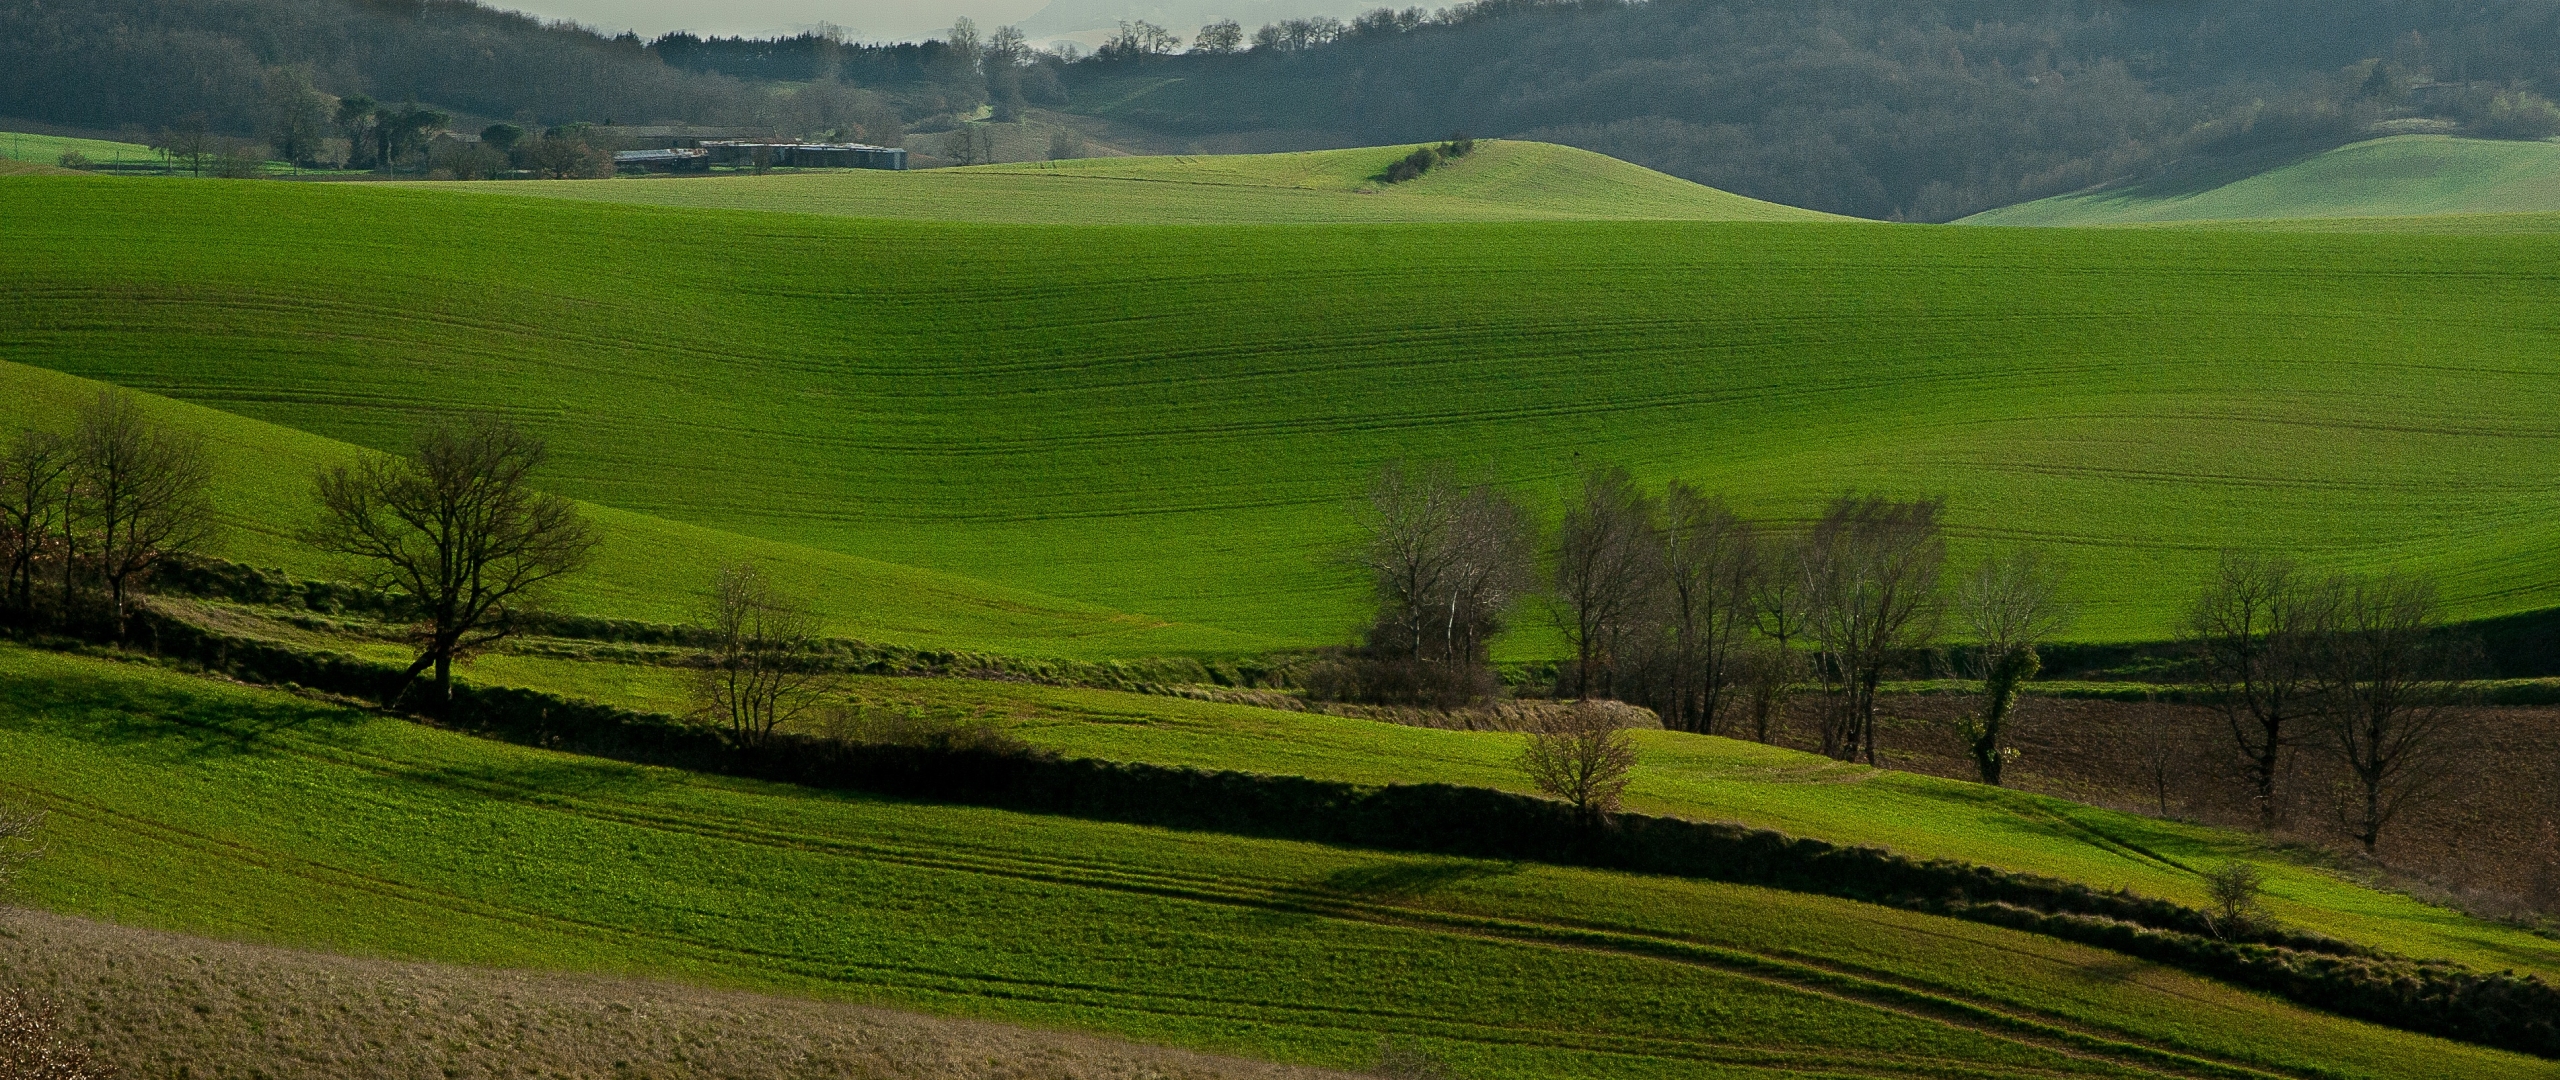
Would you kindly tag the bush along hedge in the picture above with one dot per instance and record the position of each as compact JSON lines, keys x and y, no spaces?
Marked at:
{"x":2503,"y":1010}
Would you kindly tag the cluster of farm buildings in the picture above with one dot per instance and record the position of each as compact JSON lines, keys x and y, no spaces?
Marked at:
{"x":701,"y":156}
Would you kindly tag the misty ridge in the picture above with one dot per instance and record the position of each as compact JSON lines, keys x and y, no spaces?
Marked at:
{"x":1924,"y":111}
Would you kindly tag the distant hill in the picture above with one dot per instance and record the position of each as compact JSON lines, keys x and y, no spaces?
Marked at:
{"x":1500,"y":181}
{"x":2399,"y":176}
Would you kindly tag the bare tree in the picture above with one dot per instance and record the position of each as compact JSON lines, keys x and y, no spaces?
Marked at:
{"x":2389,"y":686}
{"x":1608,"y":560}
{"x":1446,"y":561}
{"x":2234,"y":888}
{"x":1582,"y":756}
{"x":456,"y":527}
{"x":1773,"y":667}
{"x":1871,"y":568}
{"x":2009,"y":603}
{"x":2253,"y":632}
{"x":34,"y":470}
{"x":141,"y":492}
{"x":1710,"y":563}
{"x":758,"y":672}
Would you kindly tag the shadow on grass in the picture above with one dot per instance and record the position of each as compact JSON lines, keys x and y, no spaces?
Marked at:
{"x":1413,"y":877}
{"x":183,"y":722}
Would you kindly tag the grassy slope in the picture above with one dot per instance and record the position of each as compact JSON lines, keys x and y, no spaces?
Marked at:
{"x":196,"y":806}
{"x":1172,"y":421}
{"x":2398,"y":176}
{"x":48,"y":149}
{"x":648,"y":568}
{"x":1684,"y":775}
{"x":1501,"y":181}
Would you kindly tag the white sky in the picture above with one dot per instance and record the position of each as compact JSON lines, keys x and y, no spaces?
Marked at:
{"x":869,"y":20}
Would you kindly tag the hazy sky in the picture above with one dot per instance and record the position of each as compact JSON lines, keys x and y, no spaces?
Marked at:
{"x":865,"y":19}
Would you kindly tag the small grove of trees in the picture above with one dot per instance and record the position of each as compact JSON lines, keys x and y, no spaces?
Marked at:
{"x":456,"y":529}
{"x":1446,"y":559}
{"x":1680,"y":604}
{"x":87,"y":516}
{"x":2360,"y":667}
{"x":757,"y":672}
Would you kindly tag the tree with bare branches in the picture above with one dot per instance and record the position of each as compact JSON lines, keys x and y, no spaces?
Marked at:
{"x":758,"y":671}
{"x":2389,"y":685}
{"x":1773,"y":669}
{"x":1608,"y":561}
{"x":35,"y":471}
{"x":2254,"y":633}
{"x":140,"y":490}
{"x":1871,"y":569}
{"x":456,"y":528}
{"x":1446,"y":561}
{"x":1580,"y":754}
{"x":1710,"y":562}
{"x":2008,"y":604}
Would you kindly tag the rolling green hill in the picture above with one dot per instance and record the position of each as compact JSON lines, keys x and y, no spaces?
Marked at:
{"x":1501,"y":181}
{"x":649,"y":568}
{"x":2398,"y":176}
{"x":192,"y":805}
{"x":1172,"y":422}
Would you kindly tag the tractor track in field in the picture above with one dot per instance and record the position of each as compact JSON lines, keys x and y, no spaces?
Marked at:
{"x":1868,"y":988}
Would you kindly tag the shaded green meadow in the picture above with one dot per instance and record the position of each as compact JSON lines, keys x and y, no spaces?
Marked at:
{"x":196,"y":806}
{"x":1171,"y":422}
{"x":1500,"y":181}
{"x":1682,"y":775}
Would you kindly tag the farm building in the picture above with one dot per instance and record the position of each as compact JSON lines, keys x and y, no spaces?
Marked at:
{"x":807,"y":155}
{"x":677,"y":160}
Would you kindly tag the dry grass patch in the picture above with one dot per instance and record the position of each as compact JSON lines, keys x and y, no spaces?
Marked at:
{"x":155,"y":1004}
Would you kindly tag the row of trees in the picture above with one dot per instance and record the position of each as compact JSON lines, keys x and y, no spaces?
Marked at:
{"x":1717,"y":623}
{"x":87,"y":515}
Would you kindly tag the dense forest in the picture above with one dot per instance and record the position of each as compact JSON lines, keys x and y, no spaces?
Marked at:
{"x":1915,"y":109}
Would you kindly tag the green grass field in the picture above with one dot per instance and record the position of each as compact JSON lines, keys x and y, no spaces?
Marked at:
{"x":1681,"y":775}
{"x":198,"y":806}
{"x":1501,"y":181}
{"x":2397,"y":176}
{"x":1171,"y":423}
{"x":648,"y":568}
{"x":48,"y":149}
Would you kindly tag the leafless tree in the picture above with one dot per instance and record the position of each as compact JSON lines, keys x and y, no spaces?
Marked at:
{"x":1710,"y":562}
{"x":35,"y":469}
{"x":141,"y":492}
{"x":1582,"y":756}
{"x":1446,"y":561}
{"x":2253,"y":632}
{"x":1608,"y":561}
{"x":2390,"y":683}
{"x":757,"y":674}
{"x":1871,"y":569}
{"x":456,"y":527}
{"x":2008,"y":604}
{"x":1773,"y":668}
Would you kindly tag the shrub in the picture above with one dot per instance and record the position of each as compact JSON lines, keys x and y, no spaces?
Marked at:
{"x":1581,"y":755}
{"x":1412,"y":165}
{"x":2234,"y":887}
{"x":2520,"y":114}
{"x":73,"y":159}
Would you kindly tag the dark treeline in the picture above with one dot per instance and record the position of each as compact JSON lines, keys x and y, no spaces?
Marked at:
{"x":1716,"y":623}
{"x":1922,"y":111}
{"x":110,"y":63}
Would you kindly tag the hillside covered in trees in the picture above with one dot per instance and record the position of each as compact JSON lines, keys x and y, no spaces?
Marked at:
{"x":1924,"y":111}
